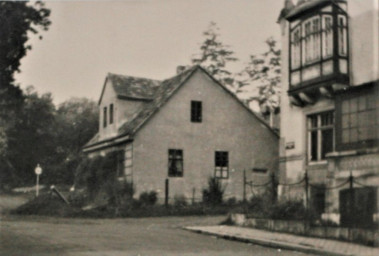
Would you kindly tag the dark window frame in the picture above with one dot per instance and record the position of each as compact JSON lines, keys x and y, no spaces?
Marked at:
{"x":221,"y":164}
{"x":105,"y":117}
{"x":196,"y":111}
{"x":111,"y":113}
{"x":121,"y":163}
{"x":316,"y":130}
{"x":175,"y":157}
{"x":370,"y":93}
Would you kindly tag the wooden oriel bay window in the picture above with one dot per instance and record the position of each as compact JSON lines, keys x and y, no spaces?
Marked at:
{"x":358,"y":118}
{"x":175,"y":163}
{"x":318,"y":46}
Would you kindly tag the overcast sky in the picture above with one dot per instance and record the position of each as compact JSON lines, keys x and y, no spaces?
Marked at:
{"x":146,"y":38}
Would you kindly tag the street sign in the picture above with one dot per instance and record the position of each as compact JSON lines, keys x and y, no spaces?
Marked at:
{"x":38,"y":170}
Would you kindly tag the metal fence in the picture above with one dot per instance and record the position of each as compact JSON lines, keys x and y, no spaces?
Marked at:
{"x":357,"y":202}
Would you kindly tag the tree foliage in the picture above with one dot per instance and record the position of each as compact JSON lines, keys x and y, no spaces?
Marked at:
{"x":214,"y":56}
{"x":49,"y":136}
{"x":16,"y":20}
{"x":264,"y":73}
{"x":31,"y":140}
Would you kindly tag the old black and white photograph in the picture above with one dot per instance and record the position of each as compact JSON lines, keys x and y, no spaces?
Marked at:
{"x":189,"y":127}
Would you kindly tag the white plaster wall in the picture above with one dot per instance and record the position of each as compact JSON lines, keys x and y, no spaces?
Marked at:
{"x":364,"y":42}
{"x":108,"y":98}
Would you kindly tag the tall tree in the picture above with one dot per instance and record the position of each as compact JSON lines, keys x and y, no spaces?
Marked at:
{"x":32,"y":139}
{"x":214,"y":56}
{"x":263,"y":72}
{"x":17,"y":20}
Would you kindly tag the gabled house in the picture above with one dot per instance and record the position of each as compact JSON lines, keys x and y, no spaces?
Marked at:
{"x":184,"y":129}
{"x":329,"y":106}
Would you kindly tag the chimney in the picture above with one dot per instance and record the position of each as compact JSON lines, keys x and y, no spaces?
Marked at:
{"x":180,"y":69}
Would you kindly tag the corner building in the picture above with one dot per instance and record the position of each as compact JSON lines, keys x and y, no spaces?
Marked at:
{"x":329,"y":106}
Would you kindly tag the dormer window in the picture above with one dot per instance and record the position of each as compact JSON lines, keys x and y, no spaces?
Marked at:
{"x":318,"y":49}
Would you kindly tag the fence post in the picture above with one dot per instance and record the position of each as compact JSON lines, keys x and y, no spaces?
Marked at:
{"x":244,"y":186}
{"x":306,"y":201}
{"x":166,"y":193}
{"x":352,"y":203}
{"x":193,"y":195}
{"x":274,"y":192}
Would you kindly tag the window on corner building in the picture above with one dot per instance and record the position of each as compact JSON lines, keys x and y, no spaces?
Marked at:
{"x":320,"y":135}
{"x":105,"y":117}
{"x":311,"y":40}
{"x":327,"y":35}
{"x":175,"y":163}
{"x":221,"y":164}
{"x":196,"y":111}
{"x":358,"y":119}
{"x":111,"y":114}
{"x":342,"y":35}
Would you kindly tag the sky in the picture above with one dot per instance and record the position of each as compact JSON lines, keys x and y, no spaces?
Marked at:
{"x":143,"y":38}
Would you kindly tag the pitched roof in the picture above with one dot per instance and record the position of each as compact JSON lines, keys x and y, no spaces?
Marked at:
{"x":305,"y":5}
{"x":129,"y":87}
{"x":162,"y":94}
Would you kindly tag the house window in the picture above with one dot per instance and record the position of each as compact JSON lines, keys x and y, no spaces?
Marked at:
{"x":121,"y":163}
{"x":221,"y":164}
{"x":311,"y":40}
{"x":320,"y":135}
{"x":327,"y":42}
{"x":196,"y":111}
{"x":296,"y":44}
{"x":342,"y":35}
{"x":175,"y":163}
{"x":111,"y":114}
{"x":358,"y":119}
{"x":105,"y":117}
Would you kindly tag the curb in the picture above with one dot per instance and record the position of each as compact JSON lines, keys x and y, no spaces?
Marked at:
{"x":268,"y":243}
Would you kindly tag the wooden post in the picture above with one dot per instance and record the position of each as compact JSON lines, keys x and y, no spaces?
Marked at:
{"x":166,"y":193}
{"x":274,"y":192}
{"x":352,"y":201}
{"x":244,"y":186}
{"x":193,"y":195}
{"x":306,"y":201}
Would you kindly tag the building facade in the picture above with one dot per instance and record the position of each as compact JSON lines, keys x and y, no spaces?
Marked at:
{"x":184,"y":129}
{"x":329,"y":105}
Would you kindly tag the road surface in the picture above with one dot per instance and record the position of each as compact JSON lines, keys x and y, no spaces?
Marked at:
{"x":37,"y":235}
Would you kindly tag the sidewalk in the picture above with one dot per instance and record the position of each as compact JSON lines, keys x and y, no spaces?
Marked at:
{"x":286,"y":241}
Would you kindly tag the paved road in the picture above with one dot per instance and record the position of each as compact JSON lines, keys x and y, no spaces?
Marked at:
{"x":36,"y":235}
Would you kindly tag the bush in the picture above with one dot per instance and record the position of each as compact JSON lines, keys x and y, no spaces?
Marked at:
{"x":180,"y":201}
{"x":48,"y":205}
{"x":148,"y":198}
{"x":214,"y":193}
{"x":289,"y":210}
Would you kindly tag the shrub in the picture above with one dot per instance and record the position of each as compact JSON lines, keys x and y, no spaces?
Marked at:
{"x":289,"y":210}
{"x":148,"y":198}
{"x":231,"y":201}
{"x":180,"y":201}
{"x":214,"y":193}
{"x":45,"y":205}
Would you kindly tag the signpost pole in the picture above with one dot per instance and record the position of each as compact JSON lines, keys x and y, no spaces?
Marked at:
{"x":38,"y":172}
